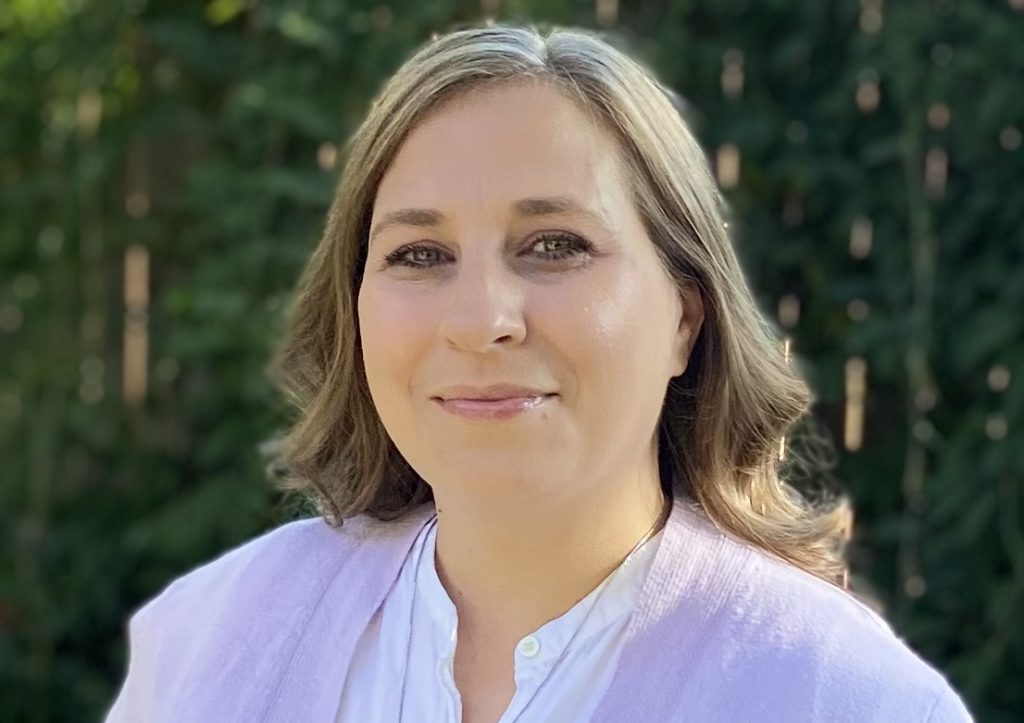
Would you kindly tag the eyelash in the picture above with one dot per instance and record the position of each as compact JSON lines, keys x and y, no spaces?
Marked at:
{"x":397,"y":258}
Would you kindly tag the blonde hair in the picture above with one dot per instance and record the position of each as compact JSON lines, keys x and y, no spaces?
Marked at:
{"x":723,"y":420}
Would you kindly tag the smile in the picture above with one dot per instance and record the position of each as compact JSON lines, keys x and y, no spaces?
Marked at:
{"x":492,"y":408}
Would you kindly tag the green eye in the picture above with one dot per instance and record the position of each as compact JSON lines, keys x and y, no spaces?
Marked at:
{"x":558,"y":246}
{"x":561,"y":245}
{"x":415,"y":256}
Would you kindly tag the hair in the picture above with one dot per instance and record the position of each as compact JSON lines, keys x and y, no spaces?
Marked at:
{"x":723,"y":421}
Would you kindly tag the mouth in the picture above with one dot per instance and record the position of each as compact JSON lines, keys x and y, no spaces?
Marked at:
{"x":503,"y":408}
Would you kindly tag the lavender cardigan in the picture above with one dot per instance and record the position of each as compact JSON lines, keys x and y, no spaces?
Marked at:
{"x":722,"y":633}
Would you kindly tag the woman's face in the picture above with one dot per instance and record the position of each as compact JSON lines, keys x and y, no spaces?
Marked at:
{"x":504,"y":249}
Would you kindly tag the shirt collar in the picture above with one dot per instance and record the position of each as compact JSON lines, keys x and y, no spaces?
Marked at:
{"x":553,"y":636}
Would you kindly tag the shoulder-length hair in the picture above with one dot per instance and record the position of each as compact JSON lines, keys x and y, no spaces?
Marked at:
{"x":723,"y":420}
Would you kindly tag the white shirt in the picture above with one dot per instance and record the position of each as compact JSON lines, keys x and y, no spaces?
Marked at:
{"x":370,"y":692}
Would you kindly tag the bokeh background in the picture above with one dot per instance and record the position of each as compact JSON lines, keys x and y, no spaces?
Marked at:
{"x":165,"y":168}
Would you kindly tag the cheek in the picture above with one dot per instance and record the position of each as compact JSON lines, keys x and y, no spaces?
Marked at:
{"x":393,"y":325}
{"x":596,"y":324}
{"x":610,"y":313}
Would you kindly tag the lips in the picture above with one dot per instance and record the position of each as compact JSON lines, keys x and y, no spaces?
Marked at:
{"x":491,"y":392}
{"x":503,"y":408}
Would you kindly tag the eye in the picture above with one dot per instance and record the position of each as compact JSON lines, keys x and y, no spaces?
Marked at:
{"x":415,"y":256}
{"x":423,"y":256}
{"x":561,"y":245}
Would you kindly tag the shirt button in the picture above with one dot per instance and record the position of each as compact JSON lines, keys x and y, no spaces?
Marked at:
{"x":529,"y":646}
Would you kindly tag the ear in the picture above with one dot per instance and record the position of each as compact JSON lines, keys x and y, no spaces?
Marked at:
{"x":691,"y":319}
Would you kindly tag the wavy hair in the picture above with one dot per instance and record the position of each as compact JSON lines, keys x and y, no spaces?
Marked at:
{"x":723,"y":420}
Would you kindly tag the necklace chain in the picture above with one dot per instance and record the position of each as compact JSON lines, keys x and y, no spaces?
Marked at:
{"x":662,"y":518}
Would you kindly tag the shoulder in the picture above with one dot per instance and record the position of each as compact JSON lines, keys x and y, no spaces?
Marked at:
{"x":303,"y":546}
{"x":223,"y":635}
{"x":263,"y":583}
{"x":292,"y":560}
{"x":846,"y":658}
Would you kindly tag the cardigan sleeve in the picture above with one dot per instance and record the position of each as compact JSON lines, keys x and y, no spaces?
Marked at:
{"x":220,"y":641}
{"x":133,"y":702}
{"x":949,"y":708}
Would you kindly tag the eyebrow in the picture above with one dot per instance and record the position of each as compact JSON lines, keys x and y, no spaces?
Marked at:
{"x":524,"y":207}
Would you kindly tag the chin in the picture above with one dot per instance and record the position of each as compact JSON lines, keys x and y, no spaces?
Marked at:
{"x":490,"y":472}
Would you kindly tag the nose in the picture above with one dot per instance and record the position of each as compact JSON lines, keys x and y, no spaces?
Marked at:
{"x":485,"y":308}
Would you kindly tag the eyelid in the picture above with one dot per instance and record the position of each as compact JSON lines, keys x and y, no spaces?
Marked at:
{"x":393,"y":258}
{"x":580,"y":247}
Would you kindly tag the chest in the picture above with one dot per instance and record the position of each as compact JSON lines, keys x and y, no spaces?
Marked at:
{"x":484,"y":676}
{"x":474,"y":681}
{"x":455,"y":672}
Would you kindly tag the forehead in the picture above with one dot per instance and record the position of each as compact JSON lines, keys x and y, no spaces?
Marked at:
{"x":490,"y":146}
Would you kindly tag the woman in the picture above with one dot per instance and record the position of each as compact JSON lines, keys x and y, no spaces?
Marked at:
{"x":541,"y":415}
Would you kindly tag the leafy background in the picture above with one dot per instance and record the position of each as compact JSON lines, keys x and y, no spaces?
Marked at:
{"x":211,"y":134}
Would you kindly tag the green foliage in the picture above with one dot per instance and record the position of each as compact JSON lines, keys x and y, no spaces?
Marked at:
{"x":199,"y":132}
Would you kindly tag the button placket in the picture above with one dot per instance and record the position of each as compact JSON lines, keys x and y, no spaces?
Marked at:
{"x":446,"y":665}
{"x":446,"y":675}
{"x":529,"y":646}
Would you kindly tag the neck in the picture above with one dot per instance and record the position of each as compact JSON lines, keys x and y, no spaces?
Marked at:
{"x":511,"y":568}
